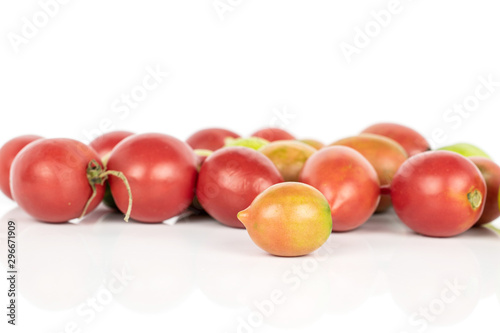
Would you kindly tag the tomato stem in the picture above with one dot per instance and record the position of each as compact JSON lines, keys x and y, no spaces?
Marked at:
{"x":96,"y":175}
{"x":127,"y":185}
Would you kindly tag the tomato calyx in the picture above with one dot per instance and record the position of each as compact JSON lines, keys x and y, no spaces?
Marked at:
{"x":97,"y":175}
{"x":475,"y":199}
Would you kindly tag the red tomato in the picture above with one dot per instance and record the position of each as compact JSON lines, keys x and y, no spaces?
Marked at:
{"x":7,"y":154}
{"x":412,"y":141}
{"x":348,"y":181}
{"x":385,"y":154}
{"x":105,"y":143}
{"x":230,"y":179}
{"x":161,"y":171}
{"x":210,"y":138}
{"x":273,"y":134}
{"x":49,"y":179}
{"x":438,"y":193}
{"x":491,"y":173}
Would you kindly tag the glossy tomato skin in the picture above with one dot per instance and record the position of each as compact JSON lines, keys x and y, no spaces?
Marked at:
{"x":491,"y":174}
{"x":273,"y":134}
{"x":161,"y":171}
{"x":230,"y":179}
{"x":7,"y":154}
{"x":105,"y":143}
{"x":348,"y":181}
{"x":438,"y":194}
{"x":412,"y":141}
{"x":210,"y":138}
{"x":49,"y":179}
{"x":385,"y":154}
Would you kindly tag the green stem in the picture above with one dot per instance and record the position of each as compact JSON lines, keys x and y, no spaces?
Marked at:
{"x":96,"y":175}
{"x":120,"y":175}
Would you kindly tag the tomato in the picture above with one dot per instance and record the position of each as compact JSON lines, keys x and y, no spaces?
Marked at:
{"x":313,"y":143}
{"x":230,"y":179}
{"x":438,"y":193}
{"x":210,"y":138}
{"x":106,"y":142}
{"x":273,"y":134}
{"x":161,"y":171}
{"x":289,"y":157}
{"x":466,"y":149}
{"x":288,"y":219}
{"x":348,"y":181}
{"x":7,"y":154}
{"x":252,"y":142}
{"x":491,"y":174}
{"x":385,"y":154}
{"x":49,"y":179}
{"x":412,"y":141}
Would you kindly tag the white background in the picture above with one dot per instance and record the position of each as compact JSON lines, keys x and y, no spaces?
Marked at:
{"x":261,"y":63}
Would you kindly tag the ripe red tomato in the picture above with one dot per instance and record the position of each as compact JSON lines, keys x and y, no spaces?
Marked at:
{"x":348,"y":181}
{"x":412,"y":141}
{"x":438,"y":193}
{"x":49,"y":179}
{"x":161,"y":171}
{"x":273,"y":134}
{"x":385,"y":154}
{"x":105,"y":143}
{"x":230,"y":179}
{"x":210,"y":138}
{"x":7,"y":154}
{"x":491,"y":173}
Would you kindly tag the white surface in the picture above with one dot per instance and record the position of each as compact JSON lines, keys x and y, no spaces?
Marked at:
{"x":267,"y":63}
{"x":199,"y":275}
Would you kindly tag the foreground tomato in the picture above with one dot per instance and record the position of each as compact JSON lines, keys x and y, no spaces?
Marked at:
{"x":210,"y":138}
{"x":491,"y":174}
{"x":288,"y":219}
{"x":273,"y":134}
{"x":7,"y":154}
{"x":105,"y":143}
{"x":348,"y":181}
{"x":385,"y":154}
{"x":439,"y":193}
{"x":230,"y":179}
{"x":161,"y":171}
{"x":412,"y":141}
{"x":50,"y":181}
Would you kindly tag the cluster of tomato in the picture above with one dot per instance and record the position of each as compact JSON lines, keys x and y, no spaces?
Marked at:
{"x":153,"y":177}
